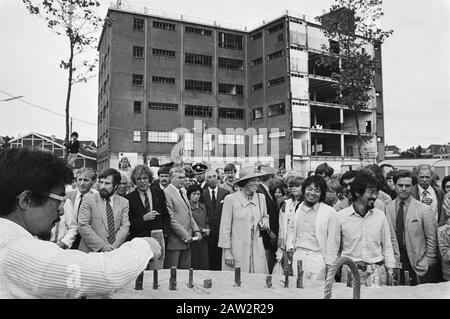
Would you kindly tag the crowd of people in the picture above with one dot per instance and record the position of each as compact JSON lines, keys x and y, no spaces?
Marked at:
{"x":260,"y":219}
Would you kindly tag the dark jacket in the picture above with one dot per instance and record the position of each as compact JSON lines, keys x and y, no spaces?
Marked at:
{"x":214,"y":213}
{"x":274,"y":213}
{"x":439,"y":195}
{"x":141,"y":228}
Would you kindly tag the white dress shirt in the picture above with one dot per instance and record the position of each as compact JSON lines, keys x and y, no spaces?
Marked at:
{"x":33,"y":268}
{"x":149,"y":195}
{"x":216,"y":190}
{"x":431,"y":194}
{"x":67,"y":228}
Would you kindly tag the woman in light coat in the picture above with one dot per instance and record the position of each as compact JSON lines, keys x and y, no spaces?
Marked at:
{"x":244,"y":216}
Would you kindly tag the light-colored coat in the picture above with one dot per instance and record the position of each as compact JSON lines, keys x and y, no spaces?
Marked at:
{"x":420,"y":234}
{"x":93,"y":222}
{"x":327,"y":232}
{"x":182,"y":223}
{"x":235,"y":231}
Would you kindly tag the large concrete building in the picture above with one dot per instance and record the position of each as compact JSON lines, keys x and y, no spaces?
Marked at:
{"x":184,"y":90}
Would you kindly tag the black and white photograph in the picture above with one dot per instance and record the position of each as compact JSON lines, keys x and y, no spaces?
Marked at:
{"x":224,"y":155}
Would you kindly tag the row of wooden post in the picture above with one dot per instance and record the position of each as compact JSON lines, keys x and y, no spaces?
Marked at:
{"x":389,"y":279}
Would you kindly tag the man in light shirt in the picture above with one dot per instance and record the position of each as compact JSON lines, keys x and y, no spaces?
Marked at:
{"x":32,"y":190}
{"x":365,"y":233}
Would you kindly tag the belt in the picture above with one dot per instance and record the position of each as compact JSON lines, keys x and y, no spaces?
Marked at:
{"x":363,"y":265}
{"x":308,"y":251}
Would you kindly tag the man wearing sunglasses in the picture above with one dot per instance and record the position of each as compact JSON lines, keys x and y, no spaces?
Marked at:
{"x":32,"y":190}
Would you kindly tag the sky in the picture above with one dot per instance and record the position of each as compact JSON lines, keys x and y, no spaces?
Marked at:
{"x":416,"y":65}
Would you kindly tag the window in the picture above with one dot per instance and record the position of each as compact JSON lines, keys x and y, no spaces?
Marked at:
{"x":257,"y":113}
{"x":258,"y":86}
{"x":138,"y":80}
{"x":138,"y":24}
{"x":162,"y":52}
{"x":138,"y":52}
{"x":275,"y":28}
{"x":276,"y":81}
{"x":198,"y":31}
{"x":231,"y":113}
{"x":231,"y":64}
{"x":199,"y":59}
{"x":258,"y":139}
{"x":334,"y":47}
{"x":163,"y":80}
{"x":164,"y":25}
{"x":163,"y":106}
{"x":162,"y":137}
{"x":277,"y":134}
{"x":275,"y":55}
{"x":296,"y":47}
{"x":276,"y":109}
{"x":230,"y":41}
{"x":257,"y":36}
{"x":198,"y":110}
{"x":201,"y":86}
{"x":295,"y":20}
{"x":231,"y":89}
{"x":136,"y":136}
{"x":280,"y":37}
{"x":297,"y":75}
{"x":137,"y":107}
{"x":230,"y":139}
{"x":189,"y":141}
{"x":256,"y":61}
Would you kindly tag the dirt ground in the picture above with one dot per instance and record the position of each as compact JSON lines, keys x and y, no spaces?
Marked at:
{"x":253,"y":286}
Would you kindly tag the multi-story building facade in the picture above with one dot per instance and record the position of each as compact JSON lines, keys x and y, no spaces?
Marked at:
{"x":180,"y":90}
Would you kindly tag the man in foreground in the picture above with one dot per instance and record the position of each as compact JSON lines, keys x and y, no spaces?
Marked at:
{"x":32,"y":190}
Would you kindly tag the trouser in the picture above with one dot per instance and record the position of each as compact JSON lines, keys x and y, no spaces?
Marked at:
{"x":362,"y":272}
{"x":271,"y":259}
{"x":313,"y":264}
{"x":181,"y":259}
{"x":433,"y":274}
{"x":215,"y":254}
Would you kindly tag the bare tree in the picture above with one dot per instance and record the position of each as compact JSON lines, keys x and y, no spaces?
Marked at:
{"x":352,"y":25}
{"x":77,"y":21}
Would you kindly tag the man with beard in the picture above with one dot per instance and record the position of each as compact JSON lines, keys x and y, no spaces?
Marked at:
{"x":365,"y":232}
{"x":103,"y":218}
{"x":31,"y":200}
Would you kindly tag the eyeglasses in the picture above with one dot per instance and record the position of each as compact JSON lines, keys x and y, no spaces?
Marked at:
{"x":57,"y":197}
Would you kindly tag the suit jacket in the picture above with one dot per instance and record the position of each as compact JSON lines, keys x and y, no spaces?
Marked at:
{"x":439,"y":195}
{"x":182,"y":223}
{"x":420,"y":234}
{"x":274,"y":215}
{"x":141,"y":228}
{"x":93,"y":222}
{"x":214,"y":213}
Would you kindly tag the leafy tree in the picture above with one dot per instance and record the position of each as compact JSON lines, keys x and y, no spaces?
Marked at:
{"x":352,"y":25}
{"x":77,"y":21}
{"x":4,"y":142}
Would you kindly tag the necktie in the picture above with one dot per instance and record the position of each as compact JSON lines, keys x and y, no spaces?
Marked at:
{"x":79,"y":205}
{"x":110,"y":217}
{"x":181,"y":193}
{"x":424,"y":194}
{"x":147,"y":203}
{"x":399,"y":225}
{"x":213,"y":198}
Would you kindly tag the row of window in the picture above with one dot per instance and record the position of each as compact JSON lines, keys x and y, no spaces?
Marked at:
{"x":227,"y":139}
{"x":192,"y":110}
{"x":274,"y":110}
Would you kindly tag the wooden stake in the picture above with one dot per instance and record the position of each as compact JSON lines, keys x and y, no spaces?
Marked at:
{"x":139,"y":281}
{"x":407,"y":282}
{"x":397,"y":276}
{"x":191,"y":278}
{"x":268,"y":281}
{"x":207,"y":283}
{"x":349,"y":279}
{"x":155,"y":279}
{"x":300,"y":279}
{"x":237,"y":276}
{"x":286,"y":281}
{"x":173,"y":279}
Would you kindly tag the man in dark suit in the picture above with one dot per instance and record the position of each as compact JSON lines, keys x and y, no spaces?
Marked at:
{"x":212,"y":197}
{"x":270,"y":236}
{"x":427,"y":193}
{"x":148,"y":210}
